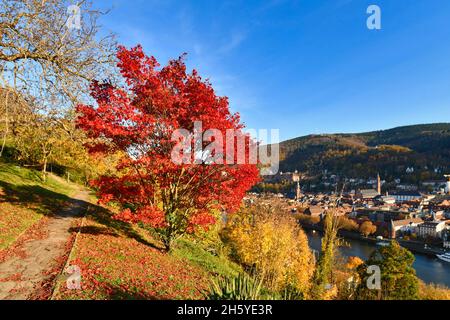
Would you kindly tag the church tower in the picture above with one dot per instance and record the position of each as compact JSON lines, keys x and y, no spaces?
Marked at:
{"x":296,"y":178}
{"x":378,"y":184}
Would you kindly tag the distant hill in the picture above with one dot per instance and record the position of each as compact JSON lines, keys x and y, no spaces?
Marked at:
{"x":425,"y":148}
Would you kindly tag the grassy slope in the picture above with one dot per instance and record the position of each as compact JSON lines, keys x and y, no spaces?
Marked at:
{"x":118,"y":261}
{"x":25,"y":199}
{"x":213,"y":264}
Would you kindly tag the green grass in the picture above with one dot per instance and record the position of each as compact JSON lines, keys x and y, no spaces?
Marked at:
{"x":25,"y":199}
{"x":217,"y":265}
{"x":20,"y":176}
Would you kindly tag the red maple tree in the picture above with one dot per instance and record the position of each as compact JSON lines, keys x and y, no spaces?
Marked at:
{"x":138,"y":121}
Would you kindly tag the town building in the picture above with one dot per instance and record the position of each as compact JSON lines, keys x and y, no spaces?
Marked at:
{"x":388,"y":199}
{"x":314,"y":211}
{"x":379,"y":214}
{"x":296,"y":179}
{"x":407,"y":187}
{"x":404,"y":196}
{"x":434,"y":185}
{"x":404,"y":226}
{"x":431,"y":229}
{"x":446,"y":239}
{"x":447,"y":185}
{"x":367,"y":194}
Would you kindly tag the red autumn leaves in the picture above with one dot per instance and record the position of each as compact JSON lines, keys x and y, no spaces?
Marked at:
{"x":114,"y":266}
{"x":138,"y":121}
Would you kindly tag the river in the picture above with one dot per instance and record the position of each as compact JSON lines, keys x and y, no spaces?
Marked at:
{"x":428,"y":269}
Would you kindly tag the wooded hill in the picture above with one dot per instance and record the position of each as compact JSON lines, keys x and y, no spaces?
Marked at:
{"x":425,"y":147}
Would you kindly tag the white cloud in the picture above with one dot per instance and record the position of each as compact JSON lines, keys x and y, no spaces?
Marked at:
{"x":236,"y":39}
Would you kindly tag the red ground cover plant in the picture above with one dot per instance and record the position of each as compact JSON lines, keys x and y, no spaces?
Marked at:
{"x":138,"y":121}
{"x":115,"y":266}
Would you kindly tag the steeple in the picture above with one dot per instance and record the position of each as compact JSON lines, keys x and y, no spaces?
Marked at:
{"x":378,"y":184}
{"x":296,"y":178}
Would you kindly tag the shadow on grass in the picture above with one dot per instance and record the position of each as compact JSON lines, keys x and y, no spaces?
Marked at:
{"x":107,"y":291}
{"x":104,"y":216}
{"x":117,"y":293}
{"x":42,"y":200}
{"x":94,"y":230}
{"x":57,"y":205}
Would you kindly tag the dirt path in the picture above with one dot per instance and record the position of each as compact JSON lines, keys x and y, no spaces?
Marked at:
{"x":23,"y":274}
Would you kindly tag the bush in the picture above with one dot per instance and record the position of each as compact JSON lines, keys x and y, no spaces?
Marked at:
{"x":245,"y":287}
{"x":306,"y":219}
{"x":240,"y":287}
{"x":367,"y":228}
{"x":433,"y":292}
{"x":347,"y":224}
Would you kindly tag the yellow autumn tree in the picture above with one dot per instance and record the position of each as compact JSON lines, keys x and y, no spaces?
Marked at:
{"x":268,"y":241}
{"x":367,"y":228}
{"x":353,"y":263}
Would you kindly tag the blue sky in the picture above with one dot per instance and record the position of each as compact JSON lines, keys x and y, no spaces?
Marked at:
{"x":305,"y":66}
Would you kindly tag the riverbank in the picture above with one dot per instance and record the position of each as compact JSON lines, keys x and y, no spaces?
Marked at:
{"x":413,"y":246}
{"x":428,"y":268}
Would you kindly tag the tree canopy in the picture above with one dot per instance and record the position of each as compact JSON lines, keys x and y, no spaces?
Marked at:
{"x":139,"y":120}
{"x":398,"y":277}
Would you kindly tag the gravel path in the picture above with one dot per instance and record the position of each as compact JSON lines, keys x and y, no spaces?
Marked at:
{"x":21,"y":275}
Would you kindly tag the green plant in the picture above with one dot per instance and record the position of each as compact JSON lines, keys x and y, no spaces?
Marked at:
{"x":240,"y":287}
{"x":290,"y":292}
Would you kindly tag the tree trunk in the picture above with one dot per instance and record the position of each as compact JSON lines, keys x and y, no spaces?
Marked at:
{"x":6,"y":124}
{"x":4,"y":139}
{"x":44,"y":170}
{"x":167,"y":244}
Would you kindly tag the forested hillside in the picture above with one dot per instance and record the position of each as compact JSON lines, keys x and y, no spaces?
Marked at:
{"x":425,"y":148}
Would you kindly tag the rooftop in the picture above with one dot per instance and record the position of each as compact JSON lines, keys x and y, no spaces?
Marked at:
{"x":406,"y":193}
{"x":405,"y":222}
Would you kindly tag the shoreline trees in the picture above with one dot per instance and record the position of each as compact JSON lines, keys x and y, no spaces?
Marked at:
{"x":398,"y":280}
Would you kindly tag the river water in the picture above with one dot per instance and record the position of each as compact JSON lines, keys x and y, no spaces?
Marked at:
{"x":428,"y":269}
